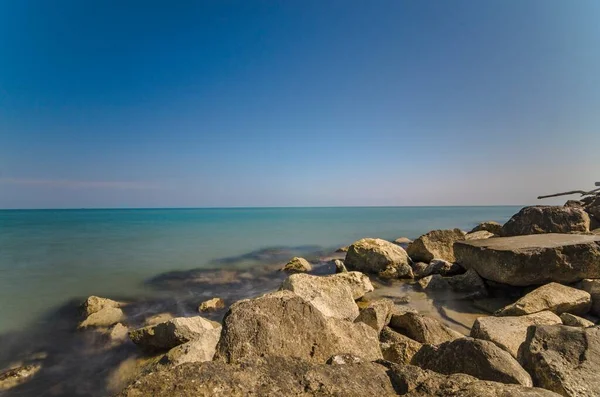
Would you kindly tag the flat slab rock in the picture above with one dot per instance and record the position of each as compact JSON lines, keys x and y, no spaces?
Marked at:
{"x":533,"y":259}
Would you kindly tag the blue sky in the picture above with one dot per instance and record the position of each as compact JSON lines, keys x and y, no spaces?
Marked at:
{"x":292,"y":103}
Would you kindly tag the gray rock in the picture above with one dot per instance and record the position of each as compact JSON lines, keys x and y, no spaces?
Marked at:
{"x":464,"y":286}
{"x":510,"y":332}
{"x":532,"y":260}
{"x":195,"y":351}
{"x":174,"y":332}
{"x":377,"y":314}
{"x":575,"y":321}
{"x":284,"y":324}
{"x":542,"y":219}
{"x":212,"y":305}
{"x":105,"y":317}
{"x":592,"y":286}
{"x":435,"y":244}
{"x":378,"y":256}
{"x":479,"y":358}
{"x":564,"y":359}
{"x":555,"y":297}
{"x":299,"y":265}
{"x":339,"y":266}
{"x":396,"y":347}
{"x":422,"y":329}
{"x":489,"y":226}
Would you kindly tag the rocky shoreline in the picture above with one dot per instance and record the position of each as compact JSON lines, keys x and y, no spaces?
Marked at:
{"x":333,"y":329}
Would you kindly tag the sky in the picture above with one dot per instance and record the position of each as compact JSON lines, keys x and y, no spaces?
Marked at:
{"x":297,"y":103}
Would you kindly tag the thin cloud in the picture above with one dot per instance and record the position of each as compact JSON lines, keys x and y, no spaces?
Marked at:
{"x":63,"y":183}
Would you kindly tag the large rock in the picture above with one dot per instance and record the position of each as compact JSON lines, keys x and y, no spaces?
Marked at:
{"x":175,"y":332}
{"x":510,"y":332}
{"x":359,"y":283}
{"x":542,"y":219}
{"x":195,"y":351}
{"x":435,"y":244}
{"x":422,"y":329}
{"x":377,"y":256}
{"x":555,"y":297}
{"x":479,"y":358}
{"x":436,"y":266}
{"x":489,"y":226}
{"x":299,"y":265}
{"x":331,"y":295}
{"x":284,"y":324}
{"x":593,"y":288}
{"x":532,"y":260}
{"x":564,"y":359}
{"x":396,"y":347}
{"x":103,"y":318}
{"x":94,"y":304}
{"x":464,"y":286}
{"x":377,"y":314}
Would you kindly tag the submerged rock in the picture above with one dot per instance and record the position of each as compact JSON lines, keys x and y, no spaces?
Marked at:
{"x":555,"y":297}
{"x":297,"y":264}
{"x":211,"y":305}
{"x":489,"y":226}
{"x":575,"y":321}
{"x":422,"y":329}
{"x":175,"y":332}
{"x":378,"y":256}
{"x":542,"y":219}
{"x":435,"y":244}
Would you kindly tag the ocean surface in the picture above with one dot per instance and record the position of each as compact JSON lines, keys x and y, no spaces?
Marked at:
{"x":50,"y":257}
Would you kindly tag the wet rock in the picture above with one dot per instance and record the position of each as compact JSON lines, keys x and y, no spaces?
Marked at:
{"x":422,"y":329}
{"x":284,"y":324}
{"x":480,"y":235}
{"x":396,"y":347}
{"x":118,"y":333}
{"x":126,"y":371}
{"x":532,"y":260}
{"x":575,"y":321}
{"x":555,"y":297}
{"x":16,"y":376}
{"x":377,"y":314}
{"x":564,"y":359}
{"x":212,"y":305}
{"x":435,"y":244}
{"x":339,"y":266}
{"x":464,"y":286}
{"x":378,"y":256}
{"x":510,"y":332}
{"x":94,"y":304}
{"x":105,"y":317}
{"x":479,"y":358}
{"x":299,"y":265}
{"x":158,"y":318}
{"x":195,"y":351}
{"x":343,"y":359}
{"x":489,"y":226}
{"x":592,"y":286}
{"x":542,"y":219}
{"x":175,"y":332}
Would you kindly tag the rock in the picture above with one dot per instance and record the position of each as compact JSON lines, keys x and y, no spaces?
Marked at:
{"x":555,"y":297}
{"x":402,"y":241}
{"x":174,"y":332}
{"x":575,"y":321}
{"x":284,"y":324}
{"x":480,"y":235}
{"x":300,"y":265}
{"x":339,"y":266}
{"x":118,"y":333}
{"x":422,"y":329}
{"x":479,"y":358}
{"x":359,"y":283}
{"x":104,"y":317}
{"x":343,"y":249}
{"x":378,"y":256}
{"x":464,"y":286}
{"x":331,"y":294}
{"x":435,"y":244}
{"x":510,"y":332}
{"x":489,"y":226}
{"x":574,"y":204}
{"x":542,"y":219}
{"x":592,"y":287}
{"x":564,"y":359}
{"x":265,"y":376}
{"x":158,"y":318}
{"x":343,"y":359}
{"x":94,"y":304}
{"x":195,"y":351}
{"x":377,"y":314}
{"x":421,"y":269}
{"x":436,"y":266}
{"x":16,"y":376}
{"x":532,"y":260}
{"x":396,"y":347}
{"x":211,"y":305}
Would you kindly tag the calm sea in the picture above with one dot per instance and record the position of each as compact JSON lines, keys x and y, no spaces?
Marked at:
{"x":48,"y":257}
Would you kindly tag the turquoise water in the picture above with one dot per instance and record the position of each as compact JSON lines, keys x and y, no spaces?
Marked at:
{"x":48,"y":257}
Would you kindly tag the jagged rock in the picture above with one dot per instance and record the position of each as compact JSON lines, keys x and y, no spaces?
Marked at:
{"x":359,"y":283}
{"x":465,"y":286}
{"x":532,"y":260}
{"x":542,"y":219}
{"x":94,"y":304}
{"x":479,"y":358}
{"x":16,"y":376}
{"x":378,"y":256}
{"x":396,"y":347}
{"x":195,"y":351}
{"x":343,"y":359}
{"x":574,"y":204}
{"x":422,"y":329}
{"x":489,"y":226}
{"x":211,"y":305}
{"x":421,"y":269}
{"x":339,"y":266}
{"x":331,"y":295}
{"x":480,"y":235}
{"x":158,"y":318}
{"x":592,"y":286}
{"x":555,"y":297}
{"x":575,"y":321}
{"x":564,"y":359}
{"x":284,"y":324}
{"x":435,"y":244}
{"x":377,"y":314}
{"x":105,"y":317}
{"x":299,"y":265}
{"x":510,"y":332}
{"x":174,"y":332}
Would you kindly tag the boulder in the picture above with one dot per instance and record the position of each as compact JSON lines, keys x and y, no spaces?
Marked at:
{"x":422,"y":329}
{"x":575,"y":321}
{"x":284,"y":324}
{"x":435,"y":244}
{"x":479,"y":358}
{"x":464,"y":286}
{"x":103,"y":318}
{"x":480,"y":235}
{"x":510,"y":332}
{"x":564,"y":359}
{"x":211,"y":305}
{"x":489,"y":226}
{"x":339,"y":266}
{"x":331,"y":294}
{"x":16,"y":376}
{"x":195,"y":351}
{"x":94,"y":304}
{"x":555,"y":297}
{"x":378,"y":256}
{"x":174,"y":332}
{"x":532,"y":260}
{"x":299,"y":265}
{"x":541,"y":219}
{"x":359,"y":283}
{"x":377,"y":314}
{"x":592,"y":286}
{"x":396,"y":347}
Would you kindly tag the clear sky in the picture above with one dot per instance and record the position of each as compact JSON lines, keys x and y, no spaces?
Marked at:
{"x":296,"y":102}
